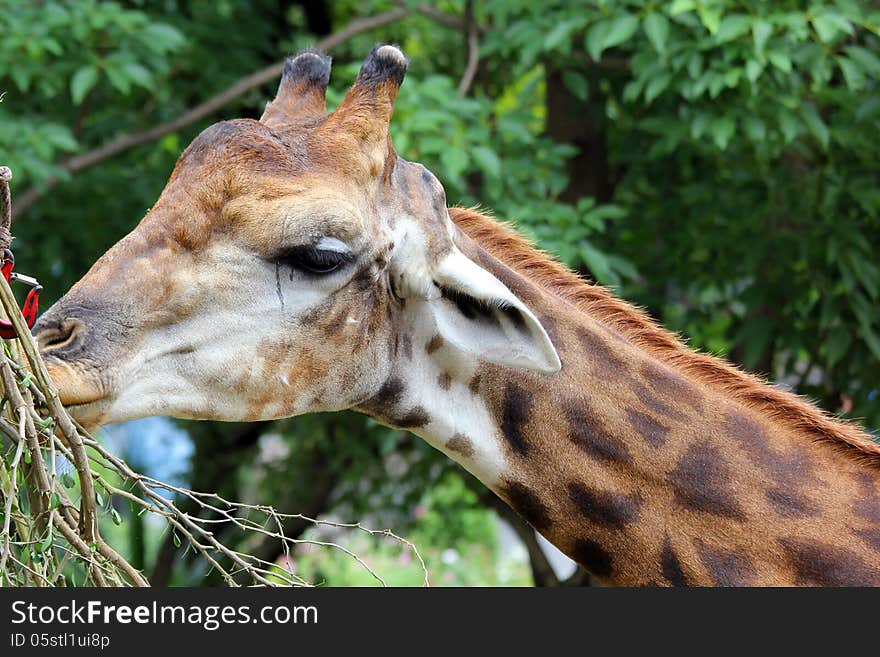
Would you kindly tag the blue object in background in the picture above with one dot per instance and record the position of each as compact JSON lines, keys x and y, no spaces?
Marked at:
{"x":154,"y":446}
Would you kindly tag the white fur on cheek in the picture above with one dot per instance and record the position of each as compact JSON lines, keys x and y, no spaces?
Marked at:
{"x":456,"y":413}
{"x":211,"y":362}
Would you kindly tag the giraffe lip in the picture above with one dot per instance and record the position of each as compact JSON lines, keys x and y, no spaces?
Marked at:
{"x":89,"y":414}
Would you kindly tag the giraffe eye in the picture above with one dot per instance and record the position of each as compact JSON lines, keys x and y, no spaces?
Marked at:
{"x":311,"y":259}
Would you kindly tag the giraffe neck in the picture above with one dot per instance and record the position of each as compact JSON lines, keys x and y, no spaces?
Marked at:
{"x":637,"y":472}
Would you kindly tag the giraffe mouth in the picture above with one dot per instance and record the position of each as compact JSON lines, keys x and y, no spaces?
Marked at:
{"x":80,"y":392}
{"x":90,"y":415}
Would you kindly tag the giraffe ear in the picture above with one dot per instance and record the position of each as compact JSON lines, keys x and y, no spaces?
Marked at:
{"x":476,"y":313}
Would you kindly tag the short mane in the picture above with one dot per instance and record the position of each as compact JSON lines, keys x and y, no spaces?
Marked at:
{"x":504,"y":243}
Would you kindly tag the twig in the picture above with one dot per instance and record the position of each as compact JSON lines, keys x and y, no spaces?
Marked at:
{"x":6,"y":208}
{"x":437,"y":15}
{"x":473,"y":47}
{"x":80,"y":459}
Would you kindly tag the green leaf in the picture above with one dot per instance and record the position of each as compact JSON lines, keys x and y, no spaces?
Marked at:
{"x":852,"y":74}
{"x":866,"y":272}
{"x":609,"y":33}
{"x":170,"y":143}
{"x":21,"y":77}
{"x":632,"y":90}
{"x":597,"y":263}
{"x":829,"y":24}
{"x":699,"y":125}
{"x":788,"y":124}
{"x":487,"y":160}
{"x":753,"y":70}
{"x":711,"y":17}
{"x":46,"y":543}
{"x":695,"y":65}
{"x":681,"y":6}
{"x":118,"y":79}
{"x":722,"y":130}
{"x":601,"y":213}
{"x":656,"y":86}
{"x":562,"y":33}
{"x":576,"y":82}
{"x":163,"y":37}
{"x":454,"y":160}
{"x":117,"y":519}
{"x":871,"y":340}
{"x":755,"y":129}
{"x":82,"y":82}
{"x":761,"y":31}
{"x":67,"y":480}
{"x":868,"y":61}
{"x":175,"y":538}
{"x":732,"y":27}
{"x":596,"y":38}
{"x":139,"y":75}
{"x":815,"y":124}
{"x":780,"y":60}
{"x":656,"y":28}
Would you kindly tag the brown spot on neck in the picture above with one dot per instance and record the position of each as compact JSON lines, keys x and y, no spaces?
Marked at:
{"x":600,"y":355}
{"x":672,"y":386}
{"x":701,"y":480}
{"x":605,"y":508}
{"x":461,"y":444}
{"x":653,"y":432}
{"x":527,"y":503}
{"x":518,"y":402}
{"x":726,"y":567}
{"x":592,"y":556}
{"x":671,"y":566}
{"x":591,"y":436}
{"x":819,"y":564}
{"x":790,"y":469}
{"x":867,"y":504}
{"x":790,"y":503}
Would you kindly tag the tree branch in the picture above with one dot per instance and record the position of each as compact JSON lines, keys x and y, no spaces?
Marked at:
{"x":221,"y":469}
{"x":473,"y":46}
{"x":292,"y":528}
{"x":436,"y":15}
{"x":242,"y":86}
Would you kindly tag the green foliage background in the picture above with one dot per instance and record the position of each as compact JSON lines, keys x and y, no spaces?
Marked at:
{"x":715,"y":161}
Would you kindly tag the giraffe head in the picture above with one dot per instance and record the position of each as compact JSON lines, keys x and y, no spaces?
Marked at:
{"x":284,"y":268}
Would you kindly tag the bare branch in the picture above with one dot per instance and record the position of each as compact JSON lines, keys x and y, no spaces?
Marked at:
{"x":473,"y":47}
{"x":5,"y":208}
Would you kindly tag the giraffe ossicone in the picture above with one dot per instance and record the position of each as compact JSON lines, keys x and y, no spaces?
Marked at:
{"x":298,"y":264}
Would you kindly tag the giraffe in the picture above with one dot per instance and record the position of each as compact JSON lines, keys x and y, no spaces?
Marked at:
{"x":297,"y":264}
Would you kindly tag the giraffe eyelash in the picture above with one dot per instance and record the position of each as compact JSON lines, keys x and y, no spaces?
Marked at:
{"x":310,"y":259}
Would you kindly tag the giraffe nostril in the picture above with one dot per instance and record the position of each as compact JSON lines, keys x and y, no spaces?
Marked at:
{"x":62,"y":335}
